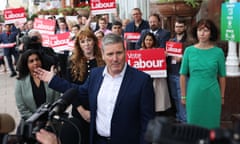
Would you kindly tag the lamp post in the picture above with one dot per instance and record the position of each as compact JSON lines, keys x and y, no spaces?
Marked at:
{"x":7,"y":4}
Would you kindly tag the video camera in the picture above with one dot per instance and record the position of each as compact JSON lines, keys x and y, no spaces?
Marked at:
{"x":30,"y":42}
{"x":47,"y":116}
{"x":160,"y":131}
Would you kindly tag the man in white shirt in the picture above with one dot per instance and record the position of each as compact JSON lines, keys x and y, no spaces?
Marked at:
{"x":121,"y":97}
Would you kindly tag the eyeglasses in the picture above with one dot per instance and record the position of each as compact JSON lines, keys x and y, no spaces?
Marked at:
{"x":136,"y":14}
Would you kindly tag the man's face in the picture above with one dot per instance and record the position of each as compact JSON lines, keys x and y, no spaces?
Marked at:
{"x":137,"y":16}
{"x":75,"y":30}
{"x":7,"y":27}
{"x":154,"y":23}
{"x":114,"y":57}
{"x":62,"y":26}
{"x":180,"y":28}
{"x":102,"y":24}
{"x":106,"y":17}
{"x":84,"y":20}
{"x":117,"y":29}
{"x":30,"y":25}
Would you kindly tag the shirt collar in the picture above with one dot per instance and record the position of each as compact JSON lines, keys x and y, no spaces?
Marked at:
{"x":154,"y":32}
{"x":105,"y":72}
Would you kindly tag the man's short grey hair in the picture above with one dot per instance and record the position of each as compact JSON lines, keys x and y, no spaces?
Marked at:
{"x":111,"y":39}
{"x":32,"y":32}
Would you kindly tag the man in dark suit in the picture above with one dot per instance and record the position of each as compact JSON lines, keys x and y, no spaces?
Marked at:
{"x":136,"y":26}
{"x":121,"y":97}
{"x":161,"y":35}
{"x":8,"y":39}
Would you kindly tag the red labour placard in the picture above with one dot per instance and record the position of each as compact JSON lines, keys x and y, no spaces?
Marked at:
{"x":151,"y":61}
{"x":174,"y":48}
{"x":103,"y":6}
{"x":59,"y":42}
{"x":45,"y":26}
{"x":130,"y":37}
{"x":14,"y":15}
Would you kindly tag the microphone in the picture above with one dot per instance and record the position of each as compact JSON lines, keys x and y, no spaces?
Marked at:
{"x":7,"y":123}
{"x":159,"y":130}
{"x":63,"y":102}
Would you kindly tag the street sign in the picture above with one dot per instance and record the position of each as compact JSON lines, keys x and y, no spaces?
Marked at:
{"x":230,"y":22}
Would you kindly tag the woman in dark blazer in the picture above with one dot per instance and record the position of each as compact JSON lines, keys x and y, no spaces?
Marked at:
{"x":30,"y":92}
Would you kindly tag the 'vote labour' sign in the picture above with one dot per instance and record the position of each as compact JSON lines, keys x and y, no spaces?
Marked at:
{"x":151,"y":61}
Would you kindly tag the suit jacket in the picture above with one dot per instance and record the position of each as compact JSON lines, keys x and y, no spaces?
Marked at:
{"x":161,"y":36}
{"x":5,"y":39}
{"x":134,"y":106}
{"x":25,"y":100}
{"x":131,"y":26}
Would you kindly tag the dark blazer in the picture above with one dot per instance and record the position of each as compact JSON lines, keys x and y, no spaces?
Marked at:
{"x":131,"y":26}
{"x":161,"y":36}
{"x":5,"y":39}
{"x":134,"y":106}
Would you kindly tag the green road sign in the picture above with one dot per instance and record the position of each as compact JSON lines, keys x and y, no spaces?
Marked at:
{"x":230,"y":22}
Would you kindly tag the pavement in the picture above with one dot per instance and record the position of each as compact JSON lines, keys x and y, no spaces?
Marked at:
{"x":7,"y":98}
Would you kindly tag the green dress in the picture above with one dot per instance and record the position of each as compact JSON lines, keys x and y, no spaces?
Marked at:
{"x":203,"y":102}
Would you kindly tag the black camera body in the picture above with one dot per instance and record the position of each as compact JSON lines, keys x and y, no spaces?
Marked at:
{"x":39,"y":120}
{"x":47,"y":116}
{"x":161,"y":131}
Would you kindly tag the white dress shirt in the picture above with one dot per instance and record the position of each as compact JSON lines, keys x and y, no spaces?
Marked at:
{"x":154,"y":32}
{"x":106,"y":101}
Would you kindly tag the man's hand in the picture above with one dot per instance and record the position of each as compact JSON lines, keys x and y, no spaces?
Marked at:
{"x":43,"y":74}
{"x":45,"y":137}
{"x":84,"y":113}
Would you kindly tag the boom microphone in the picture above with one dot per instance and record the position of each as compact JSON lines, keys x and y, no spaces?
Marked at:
{"x":159,"y":130}
{"x":7,"y":123}
{"x":63,"y":102}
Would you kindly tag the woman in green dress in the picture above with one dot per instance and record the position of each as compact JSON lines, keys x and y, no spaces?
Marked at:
{"x":204,"y":63}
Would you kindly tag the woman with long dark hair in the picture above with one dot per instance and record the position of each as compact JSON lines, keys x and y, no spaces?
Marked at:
{"x":30,"y":92}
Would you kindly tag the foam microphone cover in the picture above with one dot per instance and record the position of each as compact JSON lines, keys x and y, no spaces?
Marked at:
{"x":7,"y":123}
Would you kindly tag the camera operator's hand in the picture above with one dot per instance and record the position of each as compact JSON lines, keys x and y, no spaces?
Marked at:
{"x":45,"y":137}
{"x":84,"y":113}
{"x":43,"y":74}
